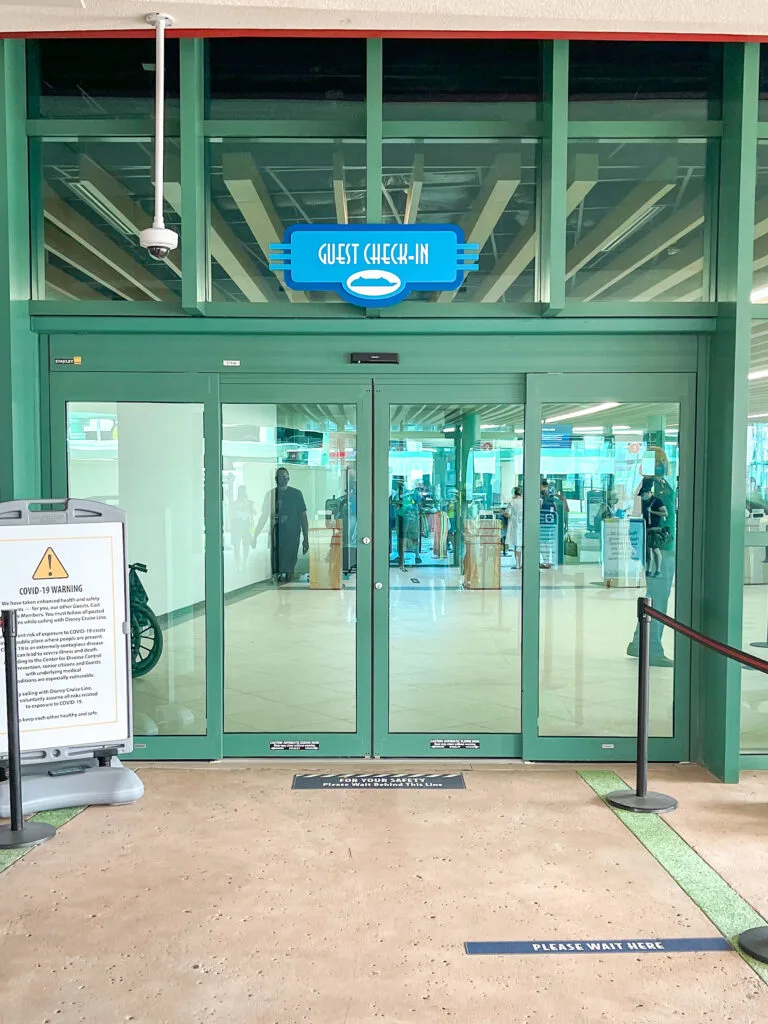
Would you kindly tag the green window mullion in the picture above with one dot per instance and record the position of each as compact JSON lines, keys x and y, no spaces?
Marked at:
{"x":726,"y":413}
{"x":554,"y":183}
{"x":34,"y":79}
{"x":711,"y":201}
{"x":36,"y":218}
{"x":630,"y":129}
{"x":104,"y":128}
{"x":374,"y":115}
{"x":19,"y":355}
{"x":486,"y":129}
{"x":347,"y":127}
{"x":194,"y":262}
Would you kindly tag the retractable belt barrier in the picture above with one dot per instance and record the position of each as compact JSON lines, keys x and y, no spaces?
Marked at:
{"x":754,"y":941}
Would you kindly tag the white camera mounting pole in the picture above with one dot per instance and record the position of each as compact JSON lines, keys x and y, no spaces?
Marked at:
{"x":158,"y":239}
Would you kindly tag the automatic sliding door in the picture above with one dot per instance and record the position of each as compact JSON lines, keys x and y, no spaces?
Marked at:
{"x":117,"y":439}
{"x":448,"y":551}
{"x":613,"y":509}
{"x":293,"y":501}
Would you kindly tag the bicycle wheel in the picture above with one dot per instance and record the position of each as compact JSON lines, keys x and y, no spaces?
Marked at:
{"x":146,"y":640}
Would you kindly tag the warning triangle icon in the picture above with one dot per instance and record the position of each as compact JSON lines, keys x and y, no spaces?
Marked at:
{"x":50,"y":568}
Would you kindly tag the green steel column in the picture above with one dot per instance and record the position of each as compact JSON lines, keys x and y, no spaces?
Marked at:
{"x":554,"y":185}
{"x":716,"y":716}
{"x":194,"y":255}
{"x":440,"y":472}
{"x":374,"y":118}
{"x":470,"y":435}
{"x":466,"y":438}
{"x":19,"y":361}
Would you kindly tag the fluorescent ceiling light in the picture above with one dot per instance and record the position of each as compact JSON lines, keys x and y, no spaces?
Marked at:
{"x":491,"y":426}
{"x":589,"y":430}
{"x":106,"y":211}
{"x":627,"y":430}
{"x":620,"y":426}
{"x":757,"y":415}
{"x":449,"y":430}
{"x":630,"y":228}
{"x":671,"y":430}
{"x":757,"y":375}
{"x":589,"y":411}
{"x":519,"y":430}
{"x":759,"y":294}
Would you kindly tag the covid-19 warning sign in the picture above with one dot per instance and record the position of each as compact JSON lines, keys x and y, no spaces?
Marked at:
{"x":67,"y":584}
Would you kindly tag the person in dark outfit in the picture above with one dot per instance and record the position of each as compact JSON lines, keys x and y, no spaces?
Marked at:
{"x":659,"y":581}
{"x":287,"y":510}
{"x":654,"y":515}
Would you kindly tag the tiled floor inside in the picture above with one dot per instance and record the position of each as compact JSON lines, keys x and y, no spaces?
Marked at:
{"x":454,"y":659}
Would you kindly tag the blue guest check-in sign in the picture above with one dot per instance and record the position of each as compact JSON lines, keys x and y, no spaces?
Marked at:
{"x":373,"y":264}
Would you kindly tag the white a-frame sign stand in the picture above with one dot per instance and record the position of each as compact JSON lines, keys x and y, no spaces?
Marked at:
{"x":63,"y":570}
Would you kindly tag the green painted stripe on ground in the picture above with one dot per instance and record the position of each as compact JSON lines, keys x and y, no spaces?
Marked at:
{"x":728,"y":912}
{"x":55,"y":818}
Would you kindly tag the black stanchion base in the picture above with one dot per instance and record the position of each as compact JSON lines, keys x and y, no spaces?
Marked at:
{"x":651,"y":803}
{"x":759,"y":643}
{"x":32,"y":834}
{"x":754,"y":942}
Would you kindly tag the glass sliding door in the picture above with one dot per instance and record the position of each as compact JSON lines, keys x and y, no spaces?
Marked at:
{"x":295,"y":496}
{"x":120,"y":440}
{"x":448,"y":581}
{"x":610,"y":492}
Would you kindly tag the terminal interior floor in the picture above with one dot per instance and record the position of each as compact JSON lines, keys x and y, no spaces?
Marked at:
{"x":585,"y":676}
{"x":225,"y":896}
{"x":454,"y":665}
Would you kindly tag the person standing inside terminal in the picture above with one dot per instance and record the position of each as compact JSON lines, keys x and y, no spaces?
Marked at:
{"x":514,"y":517}
{"x":659,"y":580}
{"x":655,"y":514}
{"x":547,"y":542}
{"x":286,"y":508}
{"x":546,"y":498}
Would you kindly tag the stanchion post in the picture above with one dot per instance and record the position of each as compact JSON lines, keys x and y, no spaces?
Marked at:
{"x":754,"y":942}
{"x":18,"y":833}
{"x":641,"y":800}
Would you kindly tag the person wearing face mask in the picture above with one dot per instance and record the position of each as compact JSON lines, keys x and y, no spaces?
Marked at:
{"x":287,"y":510}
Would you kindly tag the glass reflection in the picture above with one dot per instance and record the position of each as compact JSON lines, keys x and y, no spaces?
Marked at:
{"x":289,"y":492}
{"x":258,"y":189}
{"x":147,"y":459}
{"x":455,"y":542}
{"x":489,"y":189}
{"x":637,"y":227}
{"x":97,"y":196}
{"x":608,"y":529}
{"x":754,"y":685}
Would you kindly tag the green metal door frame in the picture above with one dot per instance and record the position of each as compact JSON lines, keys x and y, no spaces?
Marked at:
{"x":258,"y":391}
{"x":199,"y":389}
{"x":593,"y":389}
{"x":506,"y":389}
{"x":114,"y":378}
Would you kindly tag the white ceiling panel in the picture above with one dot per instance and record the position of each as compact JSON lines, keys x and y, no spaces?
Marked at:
{"x":686,"y":17}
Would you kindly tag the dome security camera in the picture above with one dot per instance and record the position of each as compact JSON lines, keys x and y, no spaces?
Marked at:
{"x":158,"y":242}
